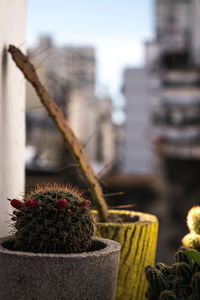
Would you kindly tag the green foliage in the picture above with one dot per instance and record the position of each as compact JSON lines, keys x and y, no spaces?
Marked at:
{"x":179,"y":281}
{"x":52,"y":219}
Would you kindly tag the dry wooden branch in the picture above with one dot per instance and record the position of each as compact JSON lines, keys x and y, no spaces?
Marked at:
{"x":62,"y":125}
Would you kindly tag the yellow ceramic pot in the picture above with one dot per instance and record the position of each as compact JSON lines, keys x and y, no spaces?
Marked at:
{"x":138,"y":245}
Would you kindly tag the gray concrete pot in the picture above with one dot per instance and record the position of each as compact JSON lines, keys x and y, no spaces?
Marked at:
{"x":34,"y":276}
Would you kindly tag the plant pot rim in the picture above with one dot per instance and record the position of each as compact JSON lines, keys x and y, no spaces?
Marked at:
{"x":107,"y":247}
{"x":144,"y":218}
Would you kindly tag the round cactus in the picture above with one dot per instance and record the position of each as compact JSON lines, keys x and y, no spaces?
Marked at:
{"x":193,"y":219}
{"x":191,"y":240}
{"x":52,"y":219}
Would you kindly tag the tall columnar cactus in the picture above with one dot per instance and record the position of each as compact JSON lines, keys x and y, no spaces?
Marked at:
{"x":192,"y":239}
{"x":181,"y":281}
{"x":62,"y":125}
{"x":52,"y":219}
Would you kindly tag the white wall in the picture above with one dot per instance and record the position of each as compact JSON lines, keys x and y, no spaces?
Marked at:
{"x":12,"y":108}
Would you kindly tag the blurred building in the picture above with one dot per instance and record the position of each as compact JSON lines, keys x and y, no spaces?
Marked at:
{"x":163,"y":102}
{"x":106,"y":142}
{"x":69,"y":75}
{"x":175,"y":57}
{"x":173,"y":60}
{"x":137,"y":156}
{"x":166,"y":92}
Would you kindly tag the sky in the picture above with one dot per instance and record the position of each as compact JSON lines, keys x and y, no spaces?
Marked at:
{"x":116,"y":28}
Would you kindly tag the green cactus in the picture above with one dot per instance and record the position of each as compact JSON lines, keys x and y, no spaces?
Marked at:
{"x":181,"y":289}
{"x":156,"y":279}
{"x":196,"y":268}
{"x":159,"y":265}
{"x":167,"y":271}
{"x":191,"y":240}
{"x":167,"y":295}
{"x":182,"y":270}
{"x":179,"y":281}
{"x":151,"y":295}
{"x":52,"y":219}
{"x":180,"y":256}
{"x":196,"y":283}
{"x":193,"y":297}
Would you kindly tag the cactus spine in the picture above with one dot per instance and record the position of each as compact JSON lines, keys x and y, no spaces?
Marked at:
{"x":52,"y":219}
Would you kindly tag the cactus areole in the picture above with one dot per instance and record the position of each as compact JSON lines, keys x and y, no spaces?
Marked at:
{"x":52,"y":219}
{"x":62,"y":125}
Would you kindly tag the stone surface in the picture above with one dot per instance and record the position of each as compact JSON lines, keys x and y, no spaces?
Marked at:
{"x":85,"y":276}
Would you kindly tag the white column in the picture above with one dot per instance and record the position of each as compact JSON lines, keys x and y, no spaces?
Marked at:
{"x":12,"y":108}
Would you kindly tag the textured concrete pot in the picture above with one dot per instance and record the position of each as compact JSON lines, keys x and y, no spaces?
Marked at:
{"x":34,"y":276}
{"x":138,"y":246}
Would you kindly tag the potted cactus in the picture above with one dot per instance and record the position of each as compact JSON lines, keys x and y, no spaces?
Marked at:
{"x":53,"y":253}
{"x":138,"y":235}
{"x":181,"y":281}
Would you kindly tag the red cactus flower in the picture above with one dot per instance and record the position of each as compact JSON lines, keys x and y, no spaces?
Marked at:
{"x":17,"y":204}
{"x":31,"y":203}
{"x":61,"y":203}
{"x":84,"y":203}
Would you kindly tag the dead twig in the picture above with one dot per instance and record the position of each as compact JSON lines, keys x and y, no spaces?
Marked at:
{"x":62,"y":125}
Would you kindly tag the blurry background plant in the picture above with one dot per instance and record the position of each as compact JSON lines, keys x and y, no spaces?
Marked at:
{"x":192,"y":239}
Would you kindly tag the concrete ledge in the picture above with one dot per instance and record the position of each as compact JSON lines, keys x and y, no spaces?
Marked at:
{"x":90,"y":275}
